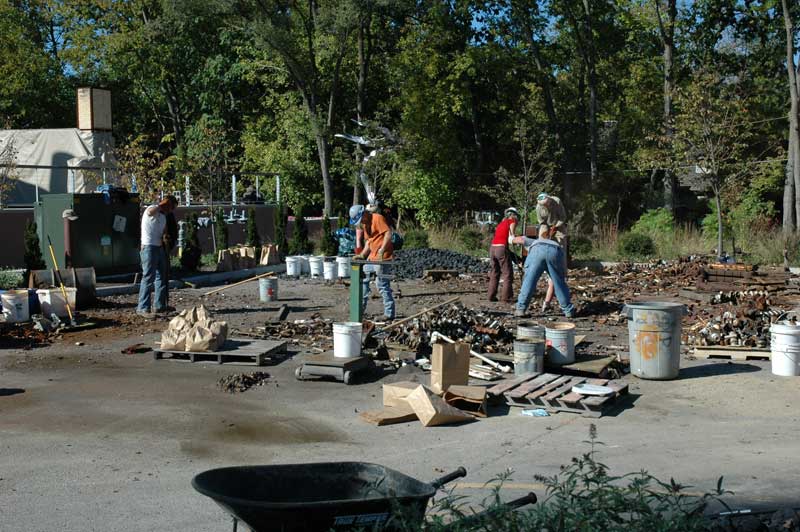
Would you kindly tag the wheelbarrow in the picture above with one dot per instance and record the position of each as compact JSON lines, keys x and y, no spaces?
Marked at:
{"x":323,"y":496}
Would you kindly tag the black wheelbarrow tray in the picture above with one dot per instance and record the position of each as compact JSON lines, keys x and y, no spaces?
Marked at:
{"x":320,"y":496}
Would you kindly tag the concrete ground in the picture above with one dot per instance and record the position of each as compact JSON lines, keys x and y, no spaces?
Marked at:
{"x":91,"y":439}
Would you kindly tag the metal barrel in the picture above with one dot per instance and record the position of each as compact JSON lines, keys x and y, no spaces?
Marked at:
{"x":528,"y":356}
{"x":529,"y":329}
{"x":268,"y":289}
{"x":654,"y":339}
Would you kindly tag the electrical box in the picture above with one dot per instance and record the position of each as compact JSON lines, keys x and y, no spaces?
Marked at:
{"x":105,"y":235}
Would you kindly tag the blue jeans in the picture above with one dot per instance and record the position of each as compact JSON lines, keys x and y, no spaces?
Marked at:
{"x":543,"y":257}
{"x":383,"y":273}
{"x":154,"y":271}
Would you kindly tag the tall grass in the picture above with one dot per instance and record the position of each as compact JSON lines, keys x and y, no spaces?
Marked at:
{"x":467,"y":239}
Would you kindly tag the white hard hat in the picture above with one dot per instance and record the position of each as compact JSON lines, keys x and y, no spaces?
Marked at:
{"x":512,"y":210}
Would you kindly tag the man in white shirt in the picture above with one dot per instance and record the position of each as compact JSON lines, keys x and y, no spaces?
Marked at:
{"x":153,"y":256}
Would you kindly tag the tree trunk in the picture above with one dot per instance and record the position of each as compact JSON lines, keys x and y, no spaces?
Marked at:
{"x":789,"y":225}
{"x":364,"y":50}
{"x":668,"y":40}
{"x":591,"y":67}
{"x":793,"y":162}
{"x":719,"y":222}
{"x":324,"y":164}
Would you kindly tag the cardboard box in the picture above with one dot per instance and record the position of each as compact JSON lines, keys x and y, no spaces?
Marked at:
{"x":432,"y":410}
{"x":449,"y":366}
{"x":395,"y":394}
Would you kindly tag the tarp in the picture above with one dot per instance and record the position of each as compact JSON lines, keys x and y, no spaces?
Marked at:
{"x":54,"y":152}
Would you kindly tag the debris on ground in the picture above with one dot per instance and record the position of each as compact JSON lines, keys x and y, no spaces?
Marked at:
{"x":21,"y":336}
{"x":136,"y":349}
{"x":241,"y":382}
{"x":314,"y":332}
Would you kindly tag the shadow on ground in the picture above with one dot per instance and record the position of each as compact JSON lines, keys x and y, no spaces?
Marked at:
{"x":714,"y":370}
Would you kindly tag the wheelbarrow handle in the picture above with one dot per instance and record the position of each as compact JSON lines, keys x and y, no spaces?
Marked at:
{"x":458,"y":473}
{"x":471,"y":520}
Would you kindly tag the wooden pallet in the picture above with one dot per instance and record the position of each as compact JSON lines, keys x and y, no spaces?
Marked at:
{"x":732,"y":352}
{"x":554,"y":393}
{"x":237,"y":351}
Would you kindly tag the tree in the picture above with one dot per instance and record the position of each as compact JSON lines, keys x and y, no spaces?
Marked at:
{"x":792,"y":183}
{"x":220,"y":230}
{"x":327,"y":243}
{"x":710,"y":137}
{"x":311,"y":39}
{"x":299,"y":243}
{"x":138,"y":162}
{"x":191,"y":254}
{"x":666,"y":27}
{"x":279,"y":222}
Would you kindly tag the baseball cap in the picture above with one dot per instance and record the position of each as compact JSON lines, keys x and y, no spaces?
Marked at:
{"x":542,"y":196}
{"x":356,"y":212}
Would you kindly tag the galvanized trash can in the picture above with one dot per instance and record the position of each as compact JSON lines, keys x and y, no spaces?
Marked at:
{"x":654,"y":338}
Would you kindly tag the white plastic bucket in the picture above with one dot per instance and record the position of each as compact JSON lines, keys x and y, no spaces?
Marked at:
{"x":52,"y":301}
{"x":15,"y":306}
{"x":306,"y":267}
{"x":343,"y":264}
{"x":347,"y":339}
{"x":329,"y":271}
{"x":315,"y":265}
{"x":561,"y":339}
{"x":785,"y":349}
{"x":293,"y":266}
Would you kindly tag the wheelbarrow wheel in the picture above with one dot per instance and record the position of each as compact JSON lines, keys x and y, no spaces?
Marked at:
{"x":348,"y":377}
{"x":298,"y":373}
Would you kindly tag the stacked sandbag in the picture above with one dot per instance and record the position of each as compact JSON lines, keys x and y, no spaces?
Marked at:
{"x":194,"y":330}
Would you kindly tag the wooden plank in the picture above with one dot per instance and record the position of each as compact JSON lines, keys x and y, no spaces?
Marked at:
{"x":561,"y":390}
{"x":732,"y":352}
{"x":508,"y":384}
{"x":732,"y":348}
{"x":547,"y":388}
{"x":528,"y":387}
{"x":234,"y":349}
{"x":574,"y":397}
{"x":597,"y":401}
{"x":589,"y":363}
{"x":695,"y":295}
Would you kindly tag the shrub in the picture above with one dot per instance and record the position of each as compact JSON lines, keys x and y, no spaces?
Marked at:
{"x":327,"y":244}
{"x":220,"y":229}
{"x":470,"y":238}
{"x":300,"y":243}
{"x":655,"y":221}
{"x":636,"y":245}
{"x":190,"y":256}
{"x":580,"y":245}
{"x":415,"y":239}
{"x":33,"y":251}
{"x":279,"y":222}
{"x":252,"y":238}
{"x":10,"y":279}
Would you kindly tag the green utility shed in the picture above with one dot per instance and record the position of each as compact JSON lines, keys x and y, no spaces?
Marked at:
{"x":104,"y":233}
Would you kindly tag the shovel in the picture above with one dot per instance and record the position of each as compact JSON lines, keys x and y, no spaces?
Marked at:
{"x":72,"y":321}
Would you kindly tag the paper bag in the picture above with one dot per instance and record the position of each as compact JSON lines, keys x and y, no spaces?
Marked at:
{"x":395,"y":394}
{"x":449,"y":365}
{"x":389,"y":415}
{"x":173,"y":340}
{"x":269,"y":255}
{"x":432,"y":410}
{"x":470,"y":399}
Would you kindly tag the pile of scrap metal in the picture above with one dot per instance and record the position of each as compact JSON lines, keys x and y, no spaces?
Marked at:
{"x":484,"y":331}
{"x":744,"y":326}
{"x":311,"y":332}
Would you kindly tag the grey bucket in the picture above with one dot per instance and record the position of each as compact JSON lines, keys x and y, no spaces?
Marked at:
{"x":268,"y":289}
{"x":530,"y":329}
{"x":654,"y":338}
{"x":528,"y":356}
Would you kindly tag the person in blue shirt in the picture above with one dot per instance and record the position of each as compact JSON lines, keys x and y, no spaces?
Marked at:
{"x":543,"y":254}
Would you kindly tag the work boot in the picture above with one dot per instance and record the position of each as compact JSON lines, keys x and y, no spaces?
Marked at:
{"x":146,"y":314}
{"x":519,"y":313}
{"x":165,"y":310}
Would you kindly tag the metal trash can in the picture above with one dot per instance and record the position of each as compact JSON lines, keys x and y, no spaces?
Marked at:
{"x":654,"y":338}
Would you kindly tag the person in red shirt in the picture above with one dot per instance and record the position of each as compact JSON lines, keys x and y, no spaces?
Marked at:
{"x":500,"y":257}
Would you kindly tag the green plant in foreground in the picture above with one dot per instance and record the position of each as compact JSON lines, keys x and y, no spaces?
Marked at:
{"x":299,"y":244}
{"x":327,"y":243}
{"x":10,"y":279}
{"x":252,"y":236}
{"x":32,"y":256}
{"x":584,"y":496}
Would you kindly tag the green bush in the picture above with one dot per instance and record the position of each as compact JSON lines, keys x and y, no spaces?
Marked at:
{"x":279,"y":222}
{"x":253,"y":238}
{"x":299,"y":244}
{"x":190,"y":256}
{"x":415,"y":239}
{"x":635,"y":245}
{"x":470,"y":238}
{"x":10,"y":279}
{"x":327,"y":244}
{"x":220,"y":229}
{"x":655,"y":221}
{"x":580,"y":245}
{"x":33,"y":251}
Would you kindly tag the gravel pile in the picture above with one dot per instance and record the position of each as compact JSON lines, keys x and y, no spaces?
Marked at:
{"x":410,"y":263}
